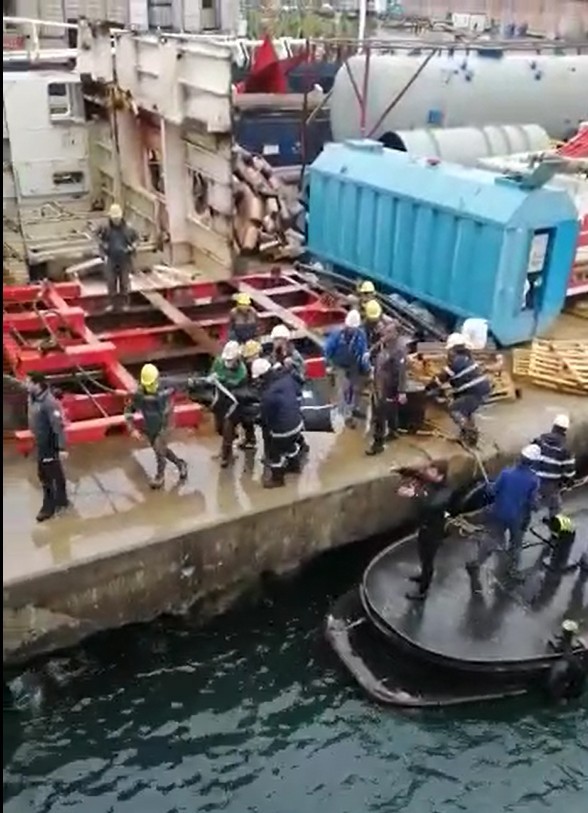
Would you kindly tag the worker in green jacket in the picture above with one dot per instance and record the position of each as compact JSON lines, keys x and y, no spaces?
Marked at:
{"x":230,"y":373}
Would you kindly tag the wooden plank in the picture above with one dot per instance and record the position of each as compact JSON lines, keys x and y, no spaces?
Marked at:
{"x":290,"y":319}
{"x":198,"y":335}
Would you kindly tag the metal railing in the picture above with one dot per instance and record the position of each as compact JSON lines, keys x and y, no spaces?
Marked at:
{"x":26,"y":33}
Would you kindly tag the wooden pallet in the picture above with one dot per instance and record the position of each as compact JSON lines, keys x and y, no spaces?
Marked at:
{"x":560,"y":365}
{"x":428,"y":364}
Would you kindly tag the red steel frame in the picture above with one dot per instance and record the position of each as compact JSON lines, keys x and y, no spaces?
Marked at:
{"x":60,"y":312}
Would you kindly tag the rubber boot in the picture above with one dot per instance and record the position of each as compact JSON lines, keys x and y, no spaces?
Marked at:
{"x":473,"y":569}
{"x":273,"y":478}
{"x":182,"y":471}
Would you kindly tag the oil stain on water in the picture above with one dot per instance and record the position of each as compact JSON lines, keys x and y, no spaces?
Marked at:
{"x":252,"y":714}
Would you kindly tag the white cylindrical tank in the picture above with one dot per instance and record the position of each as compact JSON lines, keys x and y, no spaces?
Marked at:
{"x":467,"y":145}
{"x":460,"y":89}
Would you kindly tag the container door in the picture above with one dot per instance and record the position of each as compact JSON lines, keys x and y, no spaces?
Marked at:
{"x":536,"y":269}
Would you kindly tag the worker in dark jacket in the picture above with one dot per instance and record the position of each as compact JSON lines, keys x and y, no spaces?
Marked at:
{"x":281,"y":421}
{"x":243,"y":320}
{"x":373,"y":323}
{"x":47,"y":427}
{"x":153,"y":400}
{"x":469,"y":384}
{"x":118,"y":243}
{"x":432,"y":495}
{"x":250,"y":351}
{"x":230,"y":373}
{"x":284,"y":353}
{"x":347,"y":352}
{"x":389,"y":388}
{"x":556,"y":466}
{"x":514,"y":494}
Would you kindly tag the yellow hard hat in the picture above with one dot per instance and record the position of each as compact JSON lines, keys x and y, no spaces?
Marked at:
{"x":115,"y":212}
{"x":243,"y":300}
{"x":149,"y":375}
{"x":251,"y":349}
{"x":373,"y":310}
{"x":366,"y":287}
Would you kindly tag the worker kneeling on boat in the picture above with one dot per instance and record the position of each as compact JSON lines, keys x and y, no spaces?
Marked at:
{"x":556,"y":466}
{"x":243,"y":320}
{"x":432,"y":495}
{"x":469,"y":384}
{"x":514,"y":494}
{"x":153,"y":400}
{"x":281,"y":421}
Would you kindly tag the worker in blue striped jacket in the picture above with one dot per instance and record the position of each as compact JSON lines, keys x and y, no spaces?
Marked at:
{"x":469,"y":384}
{"x":556,"y":466}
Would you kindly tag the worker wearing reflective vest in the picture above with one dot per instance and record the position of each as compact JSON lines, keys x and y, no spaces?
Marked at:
{"x":469,"y":384}
{"x":562,"y":538}
{"x":556,"y":466}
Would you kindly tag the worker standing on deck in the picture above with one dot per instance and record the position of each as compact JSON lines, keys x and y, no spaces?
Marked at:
{"x":153,"y":400}
{"x":230,"y":374}
{"x":285,"y":354}
{"x":556,"y":466}
{"x":469,"y":384}
{"x":432,"y":495}
{"x":514,"y":494}
{"x":346,"y":351}
{"x":243,"y":320}
{"x":118,"y":242}
{"x":251,"y":351}
{"x":373,"y":323}
{"x":389,"y":388}
{"x":47,"y":427}
{"x":281,"y":421}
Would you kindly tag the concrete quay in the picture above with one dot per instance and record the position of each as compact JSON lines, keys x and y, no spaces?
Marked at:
{"x":126,"y":554}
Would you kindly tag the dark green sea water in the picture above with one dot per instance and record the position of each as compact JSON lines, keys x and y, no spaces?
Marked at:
{"x":253,"y":715}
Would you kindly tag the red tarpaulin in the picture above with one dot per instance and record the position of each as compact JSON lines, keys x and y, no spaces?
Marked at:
{"x":576,"y":147}
{"x":268,"y":73}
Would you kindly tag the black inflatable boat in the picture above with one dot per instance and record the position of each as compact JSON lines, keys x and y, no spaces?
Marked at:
{"x":460,"y":647}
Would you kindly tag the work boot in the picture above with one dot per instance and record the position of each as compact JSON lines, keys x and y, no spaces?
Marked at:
{"x":374,"y":449}
{"x":182,"y":471}
{"x":272,"y":478}
{"x":473,"y":569}
{"x":157,"y":482}
{"x":44,"y":514}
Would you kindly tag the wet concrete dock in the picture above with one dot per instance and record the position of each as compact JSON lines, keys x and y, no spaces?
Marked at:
{"x":124,"y":553}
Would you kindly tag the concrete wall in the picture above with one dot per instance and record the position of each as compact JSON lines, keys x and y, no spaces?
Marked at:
{"x":210,"y":567}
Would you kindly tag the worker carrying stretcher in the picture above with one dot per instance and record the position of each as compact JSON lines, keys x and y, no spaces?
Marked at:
{"x":469,"y":384}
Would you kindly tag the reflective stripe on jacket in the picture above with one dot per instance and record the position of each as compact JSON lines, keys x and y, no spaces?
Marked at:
{"x":556,"y":462}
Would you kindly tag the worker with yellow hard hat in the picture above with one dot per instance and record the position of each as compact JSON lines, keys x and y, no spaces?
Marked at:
{"x":117,"y":242}
{"x":153,"y":401}
{"x":243,"y":321}
{"x":372,"y":321}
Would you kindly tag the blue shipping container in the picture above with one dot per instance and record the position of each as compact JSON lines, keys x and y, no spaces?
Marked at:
{"x":469,"y":242}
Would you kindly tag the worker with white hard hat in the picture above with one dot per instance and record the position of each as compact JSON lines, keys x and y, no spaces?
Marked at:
{"x":556,"y":466}
{"x":243,"y":319}
{"x":514,"y":496}
{"x":153,"y":401}
{"x":281,"y":422}
{"x":284,"y":354}
{"x":118,"y":242}
{"x":470,"y":386}
{"x":347,"y":353}
{"x":229,"y":373}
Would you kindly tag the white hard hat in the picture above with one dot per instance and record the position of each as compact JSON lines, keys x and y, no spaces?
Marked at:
{"x":455,"y":340}
{"x":562,"y":421}
{"x":260,"y":367}
{"x":231,"y":351}
{"x":280,"y":332}
{"x":353,"y":319}
{"x":531,"y":452}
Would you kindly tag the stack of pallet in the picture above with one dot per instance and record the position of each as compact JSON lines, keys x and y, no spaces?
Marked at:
{"x":560,"y":365}
{"x":267,"y":213}
{"x":431,"y":358}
